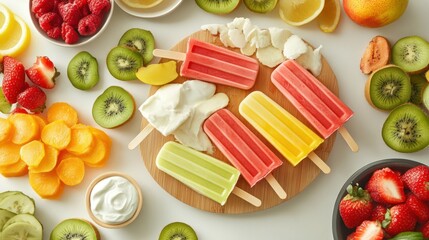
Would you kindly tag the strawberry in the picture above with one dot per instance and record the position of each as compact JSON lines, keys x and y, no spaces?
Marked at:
{"x":417,"y":180}
{"x":43,"y":73}
{"x":425,"y":230}
{"x":13,"y":78}
{"x":369,"y":230}
{"x":385,"y":186}
{"x":355,"y":207}
{"x":399,"y":218}
{"x":33,"y":99}
{"x":418,"y":207}
{"x":19,"y":110}
{"x":351,"y":236}
{"x":378,"y":213}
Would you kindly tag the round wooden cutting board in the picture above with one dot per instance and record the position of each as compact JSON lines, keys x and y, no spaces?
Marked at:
{"x":292,"y":179}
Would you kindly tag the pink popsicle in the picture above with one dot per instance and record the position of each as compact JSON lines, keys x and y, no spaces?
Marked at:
{"x":208,"y":62}
{"x":322,"y":109}
{"x":243,"y":148}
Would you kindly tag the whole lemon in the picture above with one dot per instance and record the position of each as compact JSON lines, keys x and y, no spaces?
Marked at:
{"x":374,"y":13}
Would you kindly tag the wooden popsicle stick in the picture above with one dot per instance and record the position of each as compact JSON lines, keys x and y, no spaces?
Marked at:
{"x":276,"y":186}
{"x":247,"y":197}
{"x":349,"y":139}
{"x":140,"y":137}
{"x":319,"y":163}
{"x":169,"y":54}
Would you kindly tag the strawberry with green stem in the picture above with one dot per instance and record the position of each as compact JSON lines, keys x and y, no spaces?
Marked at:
{"x":356,"y":206}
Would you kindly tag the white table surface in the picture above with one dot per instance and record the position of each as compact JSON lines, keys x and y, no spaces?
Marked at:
{"x":306,"y":216}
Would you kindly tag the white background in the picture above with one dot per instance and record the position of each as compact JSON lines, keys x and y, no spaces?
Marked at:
{"x":306,"y":216}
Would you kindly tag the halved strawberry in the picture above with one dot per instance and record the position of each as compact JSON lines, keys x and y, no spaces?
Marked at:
{"x":399,"y":218}
{"x":417,"y":180}
{"x":369,"y":230}
{"x":43,"y":72}
{"x":13,"y":78}
{"x":355,"y":207}
{"x":385,"y":186}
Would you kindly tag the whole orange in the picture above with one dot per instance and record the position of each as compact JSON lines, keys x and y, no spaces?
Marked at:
{"x":374,"y":13}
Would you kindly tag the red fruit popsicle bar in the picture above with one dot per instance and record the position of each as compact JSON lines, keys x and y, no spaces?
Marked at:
{"x":243,"y":149}
{"x":208,"y":62}
{"x":323,"y":109}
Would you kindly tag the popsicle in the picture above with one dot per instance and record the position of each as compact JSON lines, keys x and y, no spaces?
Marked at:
{"x":323,"y":109}
{"x":243,"y":149}
{"x":287,"y":134}
{"x":208,"y":62}
{"x":204,"y":174}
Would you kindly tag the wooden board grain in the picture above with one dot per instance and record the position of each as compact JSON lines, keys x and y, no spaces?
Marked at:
{"x":293,"y":179}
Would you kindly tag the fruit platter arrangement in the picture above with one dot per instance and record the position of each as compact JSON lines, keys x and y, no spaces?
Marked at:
{"x":236,"y":114}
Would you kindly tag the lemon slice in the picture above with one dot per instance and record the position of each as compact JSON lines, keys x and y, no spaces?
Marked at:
{"x":330,"y":16}
{"x":300,"y":12}
{"x":142,"y":3}
{"x":18,"y":39}
{"x":7,"y":20}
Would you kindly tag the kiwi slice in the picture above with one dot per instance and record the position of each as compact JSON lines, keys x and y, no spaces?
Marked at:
{"x":82,"y":71}
{"x":178,"y":231}
{"x":22,"y":230}
{"x":218,"y":6}
{"x":260,"y":6}
{"x":123,"y":63}
{"x":411,"y":53}
{"x":406,"y":129}
{"x":418,"y":85}
{"x":113,"y":107}
{"x":139,"y":40}
{"x":388,"y":87}
{"x":5,"y":106}
{"x":76,"y":229}
{"x":425,"y":98}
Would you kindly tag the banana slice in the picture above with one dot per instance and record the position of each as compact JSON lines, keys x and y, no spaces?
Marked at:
{"x":142,"y":3}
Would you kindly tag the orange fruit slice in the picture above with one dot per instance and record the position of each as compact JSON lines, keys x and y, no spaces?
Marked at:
{"x":330,"y":16}
{"x":300,"y":12}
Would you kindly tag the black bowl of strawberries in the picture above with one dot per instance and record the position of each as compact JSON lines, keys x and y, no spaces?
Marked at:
{"x":386,"y":199}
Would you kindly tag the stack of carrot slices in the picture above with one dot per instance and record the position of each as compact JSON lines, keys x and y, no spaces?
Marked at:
{"x":53,"y":150}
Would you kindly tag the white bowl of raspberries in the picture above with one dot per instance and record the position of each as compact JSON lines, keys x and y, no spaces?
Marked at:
{"x":386,"y":199}
{"x":71,"y":23}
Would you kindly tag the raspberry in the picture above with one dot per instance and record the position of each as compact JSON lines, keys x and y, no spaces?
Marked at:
{"x":50,"y":20}
{"x":68,"y":34}
{"x":54,"y":33}
{"x":85,"y":11}
{"x":89,"y":25}
{"x":99,"y":7}
{"x":40,"y":7}
{"x":70,"y":13}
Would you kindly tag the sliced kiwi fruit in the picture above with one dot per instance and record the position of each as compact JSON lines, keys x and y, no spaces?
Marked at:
{"x":406,"y":129}
{"x":113,"y":107}
{"x":425,"y":98}
{"x":76,"y":229}
{"x":411,"y":53}
{"x":178,"y":231}
{"x":260,"y":6}
{"x":22,"y":230}
{"x":388,"y":87}
{"x":218,"y":6}
{"x":123,"y":63}
{"x":82,"y":71}
{"x":139,"y":40}
{"x":418,"y":85}
{"x":18,"y":202}
{"x":5,"y":106}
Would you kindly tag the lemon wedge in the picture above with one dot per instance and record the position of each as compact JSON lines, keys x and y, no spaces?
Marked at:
{"x":330,"y":16}
{"x":300,"y":12}
{"x":142,"y":3}
{"x":17,"y":40}
{"x":7,"y":20}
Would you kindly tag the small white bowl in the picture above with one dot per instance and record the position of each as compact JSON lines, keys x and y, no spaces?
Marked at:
{"x":82,"y":40}
{"x":104,"y":176}
{"x":161,"y":9}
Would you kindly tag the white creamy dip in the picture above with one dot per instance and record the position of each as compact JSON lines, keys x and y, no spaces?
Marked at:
{"x":114,"y":200}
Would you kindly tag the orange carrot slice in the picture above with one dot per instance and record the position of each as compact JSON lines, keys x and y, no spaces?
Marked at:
{"x":46,"y":185}
{"x":62,"y":111}
{"x":101,"y":135}
{"x":41,"y":122}
{"x":98,"y":156}
{"x":71,"y":171}
{"x":6,"y":130}
{"x":82,"y":140}
{"x":56,"y":134}
{"x":17,"y":169}
{"x":26,"y":128}
{"x":32,"y":153}
{"x":9,"y":154}
{"x":49,"y":162}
